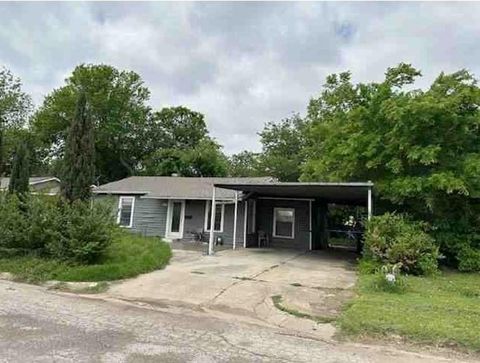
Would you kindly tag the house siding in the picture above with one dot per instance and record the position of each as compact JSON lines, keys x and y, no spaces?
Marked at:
{"x":264,"y":220}
{"x":149,"y":215}
{"x":195,"y":221}
{"x":50,"y":187}
{"x":150,"y":218}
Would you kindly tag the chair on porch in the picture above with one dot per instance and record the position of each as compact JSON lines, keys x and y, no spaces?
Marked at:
{"x":263,"y":239}
{"x":197,"y":235}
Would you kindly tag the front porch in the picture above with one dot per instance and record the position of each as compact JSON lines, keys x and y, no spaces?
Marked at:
{"x":294,"y":215}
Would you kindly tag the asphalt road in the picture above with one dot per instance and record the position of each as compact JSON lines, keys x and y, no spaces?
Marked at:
{"x":43,"y":326}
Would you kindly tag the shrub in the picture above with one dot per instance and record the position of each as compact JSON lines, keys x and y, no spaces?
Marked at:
{"x":86,"y":231}
{"x":13,"y":240}
{"x":469,"y":260}
{"x":42,"y":225}
{"x":367,"y":266}
{"x":394,"y":239}
{"x":460,"y":243}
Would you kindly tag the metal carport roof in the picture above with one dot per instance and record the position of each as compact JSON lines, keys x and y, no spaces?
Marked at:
{"x":341,"y":193}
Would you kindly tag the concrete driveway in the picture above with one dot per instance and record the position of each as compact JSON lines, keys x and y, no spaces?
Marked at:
{"x":242,"y":283}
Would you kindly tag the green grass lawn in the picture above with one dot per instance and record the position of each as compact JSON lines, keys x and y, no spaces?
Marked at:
{"x":442,"y":310}
{"x":129,"y":255}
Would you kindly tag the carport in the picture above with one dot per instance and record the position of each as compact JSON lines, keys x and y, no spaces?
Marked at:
{"x":290,"y":214}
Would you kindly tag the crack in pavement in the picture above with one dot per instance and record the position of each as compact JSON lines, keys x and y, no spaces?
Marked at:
{"x":277,"y":359}
{"x":252,"y":277}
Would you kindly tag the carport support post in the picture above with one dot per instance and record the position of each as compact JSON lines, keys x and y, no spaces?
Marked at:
{"x":369,"y":203}
{"x":245,"y":225}
{"x":310,"y":242}
{"x":235,"y":213}
{"x":212,"y":224}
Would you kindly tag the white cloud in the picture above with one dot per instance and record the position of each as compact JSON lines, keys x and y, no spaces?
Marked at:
{"x":241,"y":64}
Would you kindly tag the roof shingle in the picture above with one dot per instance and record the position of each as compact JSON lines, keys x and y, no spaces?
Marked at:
{"x":173,"y":187}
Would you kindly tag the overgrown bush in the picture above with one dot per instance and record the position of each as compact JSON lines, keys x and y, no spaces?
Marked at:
{"x":13,"y":224}
{"x":395,"y":239}
{"x":87,"y":230}
{"x":459,"y":241}
{"x":46,"y":226}
{"x":43,"y":225}
{"x":469,"y":260}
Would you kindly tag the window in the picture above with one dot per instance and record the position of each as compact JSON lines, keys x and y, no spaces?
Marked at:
{"x":219,"y":214}
{"x":283,"y":222}
{"x":125,"y":211}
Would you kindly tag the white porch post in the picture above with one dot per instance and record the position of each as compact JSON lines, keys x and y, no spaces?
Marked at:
{"x":310,"y":225}
{"x":245,"y":225}
{"x":235,"y":213}
{"x":212,"y":224}
{"x":369,"y":203}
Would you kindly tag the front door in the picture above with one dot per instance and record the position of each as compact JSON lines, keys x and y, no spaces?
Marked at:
{"x":175,"y":219}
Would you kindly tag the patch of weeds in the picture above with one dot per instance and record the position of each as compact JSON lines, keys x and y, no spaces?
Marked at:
{"x":99,"y":287}
{"x":296,"y":284}
{"x":60,"y":286}
{"x":96,"y":288}
{"x":197,"y":272}
{"x":277,"y":302}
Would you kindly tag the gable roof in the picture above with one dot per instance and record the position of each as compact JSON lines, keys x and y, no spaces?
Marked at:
{"x":34,"y":180}
{"x":175,"y":187}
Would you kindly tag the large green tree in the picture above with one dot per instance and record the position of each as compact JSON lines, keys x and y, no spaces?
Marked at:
{"x":282,"y":148}
{"x":15,"y":107}
{"x":245,"y":164}
{"x":118,"y":109}
{"x":20,"y":176}
{"x":205,"y":159}
{"x":179,"y":127}
{"x":184,"y":146}
{"x":421,"y":148}
{"x":78,"y":164}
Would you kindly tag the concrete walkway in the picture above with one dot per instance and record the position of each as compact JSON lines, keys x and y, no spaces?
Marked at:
{"x":241,"y":284}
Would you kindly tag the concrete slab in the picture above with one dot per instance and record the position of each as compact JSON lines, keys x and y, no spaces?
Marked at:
{"x":242,"y":283}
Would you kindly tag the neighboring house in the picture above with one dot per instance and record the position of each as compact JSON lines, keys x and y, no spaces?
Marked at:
{"x":268,"y":213}
{"x":48,"y":185}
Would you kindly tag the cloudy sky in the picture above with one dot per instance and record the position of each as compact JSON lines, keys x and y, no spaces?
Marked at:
{"x":241,"y":64}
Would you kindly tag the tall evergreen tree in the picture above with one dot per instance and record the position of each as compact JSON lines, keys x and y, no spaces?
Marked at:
{"x":20,"y":170}
{"x":78,"y":165}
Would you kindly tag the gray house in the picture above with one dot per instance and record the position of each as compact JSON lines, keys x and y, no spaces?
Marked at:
{"x":48,"y":185}
{"x":248,"y":212}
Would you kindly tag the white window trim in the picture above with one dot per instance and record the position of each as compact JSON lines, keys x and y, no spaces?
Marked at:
{"x":120,"y":202}
{"x":208,"y":215}
{"x":275,"y":223}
